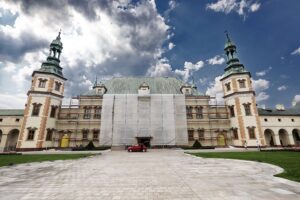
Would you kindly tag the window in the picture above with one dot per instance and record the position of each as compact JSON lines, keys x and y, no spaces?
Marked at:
{"x":279,"y":119}
{"x":87,"y":113}
{"x":36,"y":109}
{"x":53,"y":111}
{"x":266,"y":119}
{"x":30,"y":134}
{"x":57,"y":86}
{"x":228,"y":87}
{"x":235,"y":134}
{"x":17,"y":120}
{"x":251,"y":132}
{"x":189,"y":112}
{"x":96,"y":134}
{"x":49,"y":134}
{"x":97,"y":114}
{"x":42,"y":83}
{"x":1,"y":120}
{"x":191,"y":135}
{"x":201,"y":134}
{"x":85,"y":134}
{"x":242,"y":83}
{"x":199,"y":112}
{"x":247,"y":107}
{"x":231,"y":111}
{"x":292,"y":120}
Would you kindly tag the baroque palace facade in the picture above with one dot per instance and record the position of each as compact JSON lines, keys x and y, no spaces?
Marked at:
{"x":156,"y":111}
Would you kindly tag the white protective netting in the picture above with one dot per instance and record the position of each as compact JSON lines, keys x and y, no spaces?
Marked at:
{"x":159,"y":116}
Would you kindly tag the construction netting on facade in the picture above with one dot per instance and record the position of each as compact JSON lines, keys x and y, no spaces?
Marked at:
{"x":127,"y":117}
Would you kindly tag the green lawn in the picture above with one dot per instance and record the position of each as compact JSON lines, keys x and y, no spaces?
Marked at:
{"x":6,"y":160}
{"x":289,"y":161}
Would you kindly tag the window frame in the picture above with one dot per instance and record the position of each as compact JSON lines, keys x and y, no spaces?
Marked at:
{"x":247,"y":109}
{"x":30,"y":134}
{"x":36,"y":109}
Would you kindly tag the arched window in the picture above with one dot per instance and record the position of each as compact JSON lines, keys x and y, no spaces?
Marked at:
{"x":231,"y":111}
{"x":36,"y":109}
{"x":199,"y":112}
{"x":189,"y":112}
{"x":247,"y":107}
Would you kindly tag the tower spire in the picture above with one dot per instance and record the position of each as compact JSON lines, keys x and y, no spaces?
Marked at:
{"x":233,"y":63}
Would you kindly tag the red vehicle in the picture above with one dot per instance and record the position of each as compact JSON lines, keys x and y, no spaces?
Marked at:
{"x":138,"y":147}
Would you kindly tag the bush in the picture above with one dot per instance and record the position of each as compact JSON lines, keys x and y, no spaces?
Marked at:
{"x":90,"y":146}
{"x":197,"y":145}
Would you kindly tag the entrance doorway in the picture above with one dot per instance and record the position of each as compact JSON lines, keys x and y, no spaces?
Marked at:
{"x":144,"y":140}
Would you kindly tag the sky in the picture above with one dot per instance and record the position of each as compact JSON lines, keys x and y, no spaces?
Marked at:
{"x":179,"y":38}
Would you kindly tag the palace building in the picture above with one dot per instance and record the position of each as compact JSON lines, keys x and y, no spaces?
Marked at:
{"x":156,"y":111}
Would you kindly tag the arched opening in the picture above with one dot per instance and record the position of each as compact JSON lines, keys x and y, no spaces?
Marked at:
{"x":0,"y":135}
{"x":296,"y":136}
{"x":270,"y":138}
{"x":221,"y":140}
{"x":283,"y":137}
{"x":12,"y":139}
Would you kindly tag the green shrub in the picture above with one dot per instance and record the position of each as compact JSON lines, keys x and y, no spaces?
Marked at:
{"x":197,"y":145}
{"x":90,"y":146}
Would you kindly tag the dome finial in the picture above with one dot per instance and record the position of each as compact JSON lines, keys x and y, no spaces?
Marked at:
{"x":227,"y":35}
{"x":58,"y":37}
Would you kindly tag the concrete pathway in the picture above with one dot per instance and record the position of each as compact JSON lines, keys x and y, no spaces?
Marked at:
{"x":158,"y":174}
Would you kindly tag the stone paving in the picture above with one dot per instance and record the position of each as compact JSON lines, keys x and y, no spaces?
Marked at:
{"x":157,"y":174}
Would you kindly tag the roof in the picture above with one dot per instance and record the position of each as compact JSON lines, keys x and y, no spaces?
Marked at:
{"x":130,"y":85}
{"x":11,"y":112}
{"x":273,"y":112}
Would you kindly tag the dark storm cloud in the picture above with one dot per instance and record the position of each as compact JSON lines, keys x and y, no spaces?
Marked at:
{"x":12,"y":49}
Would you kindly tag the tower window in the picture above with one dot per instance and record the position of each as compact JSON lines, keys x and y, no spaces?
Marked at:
{"x":231,"y":110}
{"x":31,"y":133}
{"x":189,"y":112}
{"x":96,"y":134}
{"x":53,"y":111}
{"x":251,"y":132}
{"x":42,"y":83}
{"x":97,"y":114}
{"x":36,"y":109}
{"x":247,"y":107}
{"x":191,"y":135}
{"x":228,"y":87}
{"x":49,"y":135}
{"x":235,"y":134}
{"x":87,"y":113}
{"x":57,"y":86}
{"x":242,"y":83}
{"x":85,"y":134}
{"x":199,"y":112}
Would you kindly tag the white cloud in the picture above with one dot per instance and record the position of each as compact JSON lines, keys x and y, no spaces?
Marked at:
{"x":262,"y":96}
{"x":282,"y":88}
{"x":217,"y":60}
{"x":103,"y":39}
{"x":239,"y":6}
{"x":12,"y":101}
{"x":215,"y":90}
{"x":171,"y":45}
{"x":296,"y":52}
{"x":188,"y":69}
{"x":161,"y":68}
{"x":255,"y":7}
{"x":260,"y":86}
{"x":264,"y":72}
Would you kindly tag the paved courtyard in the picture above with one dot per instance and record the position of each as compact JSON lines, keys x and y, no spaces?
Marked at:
{"x":158,"y":174}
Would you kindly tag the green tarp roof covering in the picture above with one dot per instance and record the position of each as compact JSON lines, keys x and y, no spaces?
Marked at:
{"x":130,"y":85}
{"x":11,"y":112}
